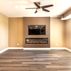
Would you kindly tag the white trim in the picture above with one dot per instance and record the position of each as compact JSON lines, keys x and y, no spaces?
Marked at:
{"x":3,"y":50}
{"x":52,"y":48}
{"x":44,"y":48}
{"x":36,"y":48}
{"x":68,"y":49}
{"x":55,"y":48}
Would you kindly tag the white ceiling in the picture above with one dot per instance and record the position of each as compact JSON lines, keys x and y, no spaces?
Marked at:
{"x":16,"y":8}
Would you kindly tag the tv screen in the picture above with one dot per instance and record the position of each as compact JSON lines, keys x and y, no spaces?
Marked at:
{"x":36,"y":29}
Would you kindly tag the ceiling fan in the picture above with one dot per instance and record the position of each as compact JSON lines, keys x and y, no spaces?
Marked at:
{"x":38,"y":6}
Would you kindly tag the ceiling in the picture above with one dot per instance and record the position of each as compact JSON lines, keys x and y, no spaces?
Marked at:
{"x":16,"y":8}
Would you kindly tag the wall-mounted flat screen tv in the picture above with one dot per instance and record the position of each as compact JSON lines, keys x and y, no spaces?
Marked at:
{"x":36,"y":29}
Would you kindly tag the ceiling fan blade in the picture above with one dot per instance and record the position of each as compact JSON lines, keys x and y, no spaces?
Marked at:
{"x":36,"y":11}
{"x":45,"y":10}
{"x":30,"y":8}
{"x":47,"y":6}
{"x":37,"y":4}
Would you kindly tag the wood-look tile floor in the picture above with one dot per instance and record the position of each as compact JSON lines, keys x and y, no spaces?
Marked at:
{"x":37,"y":60}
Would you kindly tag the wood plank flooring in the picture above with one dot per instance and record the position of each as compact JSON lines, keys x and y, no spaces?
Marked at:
{"x":35,"y":60}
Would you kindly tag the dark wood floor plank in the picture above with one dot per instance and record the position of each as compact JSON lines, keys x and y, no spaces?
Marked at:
{"x":35,"y":60}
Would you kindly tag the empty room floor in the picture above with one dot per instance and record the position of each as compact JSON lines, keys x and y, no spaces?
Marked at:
{"x":35,"y":60}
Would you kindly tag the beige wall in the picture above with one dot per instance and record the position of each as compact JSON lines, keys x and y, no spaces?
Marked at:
{"x":16,"y":32}
{"x":68,"y":33}
{"x":57,"y":37}
{"x":3,"y":32}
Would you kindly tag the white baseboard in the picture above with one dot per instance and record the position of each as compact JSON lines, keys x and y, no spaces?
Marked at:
{"x":44,"y":48}
{"x":68,"y":49}
{"x":52,"y":48}
{"x":55,"y":48}
{"x":3,"y":50}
